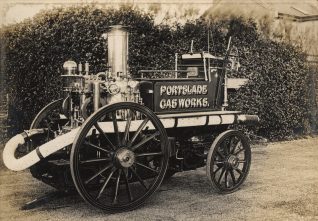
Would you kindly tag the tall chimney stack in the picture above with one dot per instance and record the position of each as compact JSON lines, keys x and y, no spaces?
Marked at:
{"x":117,"y":39}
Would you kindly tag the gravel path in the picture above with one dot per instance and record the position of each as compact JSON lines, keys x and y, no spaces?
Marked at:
{"x":282,"y":185}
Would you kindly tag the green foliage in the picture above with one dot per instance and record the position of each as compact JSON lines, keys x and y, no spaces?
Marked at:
{"x":36,"y":50}
{"x":277,"y":90}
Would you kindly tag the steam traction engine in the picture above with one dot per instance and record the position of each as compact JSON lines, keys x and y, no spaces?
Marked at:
{"x":115,"y":138}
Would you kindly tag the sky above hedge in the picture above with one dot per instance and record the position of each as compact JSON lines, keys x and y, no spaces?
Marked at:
{"x":19,"y":11}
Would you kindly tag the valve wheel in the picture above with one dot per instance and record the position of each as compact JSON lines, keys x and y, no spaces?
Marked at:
{"x":119,"y":157}
{"x":228,"y":161}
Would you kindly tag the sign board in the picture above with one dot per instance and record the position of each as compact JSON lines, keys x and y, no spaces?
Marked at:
{"x":183,"y":96}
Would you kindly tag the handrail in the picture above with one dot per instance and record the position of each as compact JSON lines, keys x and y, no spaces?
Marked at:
{"x":163,"y":71}
{"x":150,"y":71}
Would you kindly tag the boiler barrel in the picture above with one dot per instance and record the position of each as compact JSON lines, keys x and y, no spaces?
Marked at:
{"x":117,"y":39}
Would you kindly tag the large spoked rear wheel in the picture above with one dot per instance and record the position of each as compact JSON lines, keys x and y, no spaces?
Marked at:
{"x":50,"y":119}
{"x":48,"y":115}
{"x":228,"y":161}
{"x":119,"y":157}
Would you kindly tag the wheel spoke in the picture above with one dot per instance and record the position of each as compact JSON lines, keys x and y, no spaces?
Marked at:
{"x":235,"y":146}
{"x":138,"y":177}
{"x":225,"y":179}
{"x":222,"y":173}
{"x":241,"y":161}
{"x":239,"y":149}
{"x":141,"y":126}
{"x":218,"y":162}
{"x":127,"y":186}
{"x":95,"y":160}
{"x":233,"y":176}
{"x":220,"y":154}
{"x":104,"y":135}
{"x":98,"y":173}
{"x":124,"y":142}
{"x":226,"y":149}
{"x":145,"y":140}
{"x":217,"y":170}
{"x":117,"y":187}
{"x":105,"y":184}
{"x":116,"y":128}
{"x":94,"y":132}
{"x":239,"y":171}
{"x":230,"y":144}
{"x":144,"y":166}
{"x":149,"y":154}
{"x":95,"y":146}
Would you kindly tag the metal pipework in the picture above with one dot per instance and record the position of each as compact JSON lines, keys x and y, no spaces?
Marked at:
{"x":96,"y":95}
{"x":225,"y":99}
{"x":117,"y":39}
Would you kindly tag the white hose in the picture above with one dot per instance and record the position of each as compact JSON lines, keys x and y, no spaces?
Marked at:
{"x":18,"y":164}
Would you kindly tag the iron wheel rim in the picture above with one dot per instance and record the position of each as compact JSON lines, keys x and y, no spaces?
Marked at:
{"x":229,"y":161}
{"x":115,"y":169}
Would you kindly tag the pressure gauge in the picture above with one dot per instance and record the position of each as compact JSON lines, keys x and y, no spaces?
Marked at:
{"x":113,"y":89}
{"x":132,"y":83}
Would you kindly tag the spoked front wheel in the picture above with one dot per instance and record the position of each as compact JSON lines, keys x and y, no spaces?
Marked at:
{"x":228,"y":161}
{"x":119,"y":157}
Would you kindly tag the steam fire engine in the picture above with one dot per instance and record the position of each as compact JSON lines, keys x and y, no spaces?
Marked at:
{"x":115,"y":138}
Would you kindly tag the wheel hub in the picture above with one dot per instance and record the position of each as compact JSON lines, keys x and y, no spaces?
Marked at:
{"x":233,"y":161}
{"x":125,"y":157}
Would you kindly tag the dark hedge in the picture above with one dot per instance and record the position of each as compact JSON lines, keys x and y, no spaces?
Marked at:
{"x":37,"y":48}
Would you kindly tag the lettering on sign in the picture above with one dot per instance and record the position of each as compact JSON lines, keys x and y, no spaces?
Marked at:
{"x":183,"y":90}
{"x":183,"y":103}
{"x":180,"y":96}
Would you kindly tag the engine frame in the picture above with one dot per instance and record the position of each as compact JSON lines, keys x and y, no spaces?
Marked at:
{"x":186,"y":106}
